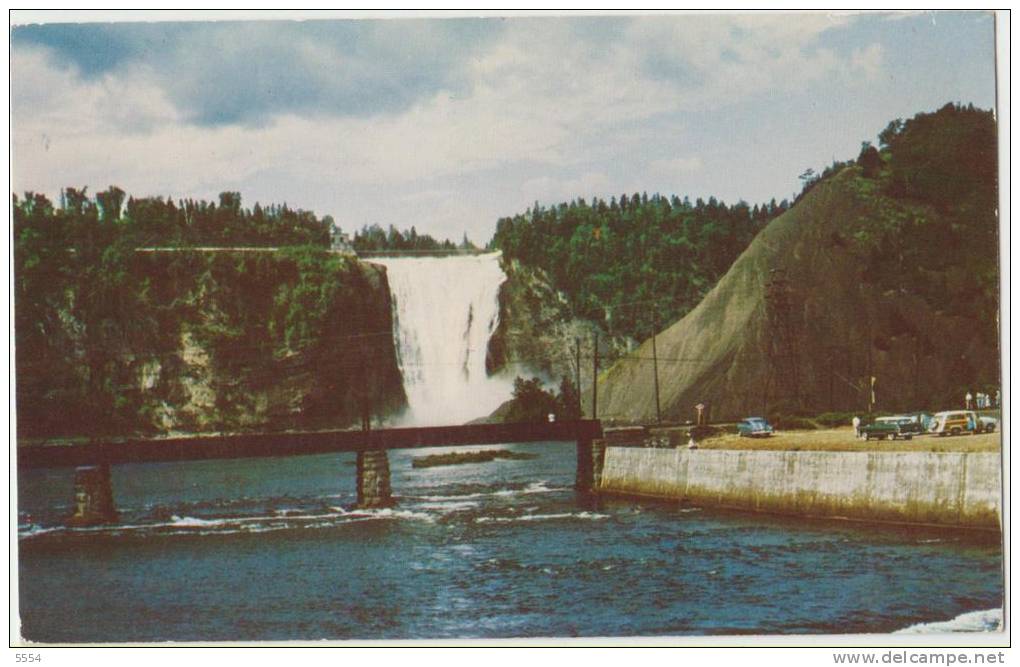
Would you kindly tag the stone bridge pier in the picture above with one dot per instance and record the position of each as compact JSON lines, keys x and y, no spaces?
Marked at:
{"x":93,"y":497}
{"x":591,"y":455}
{"x":374,"y":479}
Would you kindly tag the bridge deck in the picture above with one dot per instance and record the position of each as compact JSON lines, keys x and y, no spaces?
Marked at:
{"x":51,"y":455}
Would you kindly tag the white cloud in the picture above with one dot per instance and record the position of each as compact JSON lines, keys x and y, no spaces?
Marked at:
{"x":732,"y":57}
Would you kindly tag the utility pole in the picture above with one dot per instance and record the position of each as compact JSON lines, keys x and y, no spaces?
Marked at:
{"x":850,"y":374}
{"x":871,"y":393}
{"x":870,"y":385}
{"x":871,"y":364}
{"x":577,"y":375}
{"x":655,"y":369}
{"x":917,"y":375}
{"x":595,"y":381}
{"x":832,"y":355}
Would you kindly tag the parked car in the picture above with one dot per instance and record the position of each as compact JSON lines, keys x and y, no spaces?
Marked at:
{"x":956,"y":422}
{"x":925,"y":421}
{"x":987,"y":424}
{"x":891,"y":428}
{"x":754,"y":427}
{"x":913,"y":423}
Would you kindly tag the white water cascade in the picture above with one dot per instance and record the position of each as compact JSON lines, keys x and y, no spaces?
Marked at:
{"x":445,"y":309}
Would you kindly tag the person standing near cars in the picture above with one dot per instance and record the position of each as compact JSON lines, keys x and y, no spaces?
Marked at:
{"x":856,"y":421}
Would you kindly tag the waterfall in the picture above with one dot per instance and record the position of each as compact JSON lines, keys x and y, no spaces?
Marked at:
{"x":445,"y":309}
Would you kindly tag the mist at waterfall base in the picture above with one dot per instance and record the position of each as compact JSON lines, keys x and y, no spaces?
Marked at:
{"x":274,"y":549}
{"x":445,"y":310}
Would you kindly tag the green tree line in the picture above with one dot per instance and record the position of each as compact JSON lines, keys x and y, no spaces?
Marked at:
{"x":636,"y":263}
{"x":373,"y":237}
{"x":159,"y":221}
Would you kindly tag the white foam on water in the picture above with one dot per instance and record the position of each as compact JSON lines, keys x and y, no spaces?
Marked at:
{"x":989,"y":620}
{"x":540,"y":487}
{"x":449,"y":506}
{"x":535,"y":487}
{"x":188,"y":525}
{"x":35,"y":531}
{"x":541,"y":517}
{"x":391,"y":513}
{"x":192,"y":522}
{"x":287,"y":519}
{"x":464,"y":496}
{"x":444,"y":312}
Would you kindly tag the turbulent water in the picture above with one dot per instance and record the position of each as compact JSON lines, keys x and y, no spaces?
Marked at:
{"x":444,"y":312}
{"x":272,"y":549}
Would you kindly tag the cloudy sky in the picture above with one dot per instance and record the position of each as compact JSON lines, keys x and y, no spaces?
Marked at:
{"x":448,"y":124}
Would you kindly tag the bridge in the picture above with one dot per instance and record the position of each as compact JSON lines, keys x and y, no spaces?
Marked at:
{"x":93,"y":490}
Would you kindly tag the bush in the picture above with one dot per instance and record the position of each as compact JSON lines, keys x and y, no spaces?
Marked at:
{"x":530,"y":402}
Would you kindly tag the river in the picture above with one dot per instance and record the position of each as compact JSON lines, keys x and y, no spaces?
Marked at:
{"x":272,"y":549}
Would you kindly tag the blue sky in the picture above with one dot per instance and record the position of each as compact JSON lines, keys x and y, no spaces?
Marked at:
{"x":448,"y":124}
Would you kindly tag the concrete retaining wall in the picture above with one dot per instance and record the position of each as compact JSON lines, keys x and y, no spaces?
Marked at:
{"x":953,"y":489}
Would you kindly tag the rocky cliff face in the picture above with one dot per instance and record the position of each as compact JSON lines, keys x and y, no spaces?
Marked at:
{"x":537,"y":332}
{"x":220,"y":341}
{"x":801,"y":322}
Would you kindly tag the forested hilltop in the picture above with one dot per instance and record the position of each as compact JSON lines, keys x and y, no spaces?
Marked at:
{"x":113,"y":340}
{"x":635,"y":264}
{"x":942,"y":242}
{"x":886,"y":267}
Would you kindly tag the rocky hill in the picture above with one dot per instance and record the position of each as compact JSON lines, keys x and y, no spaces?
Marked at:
{"x":887,"y":268}
{"x":537,"y":330}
